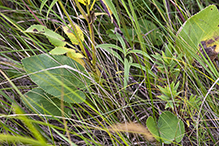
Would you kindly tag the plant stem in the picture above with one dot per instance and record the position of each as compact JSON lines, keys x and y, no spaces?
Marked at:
{"x":91,"y":30}
{"x":73,"y":26}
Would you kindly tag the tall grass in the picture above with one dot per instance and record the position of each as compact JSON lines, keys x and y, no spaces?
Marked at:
{"x":125,"y":80}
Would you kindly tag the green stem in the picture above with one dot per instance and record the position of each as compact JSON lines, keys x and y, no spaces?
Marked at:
{"x":91,"y":31}
{"x":73,"y":26}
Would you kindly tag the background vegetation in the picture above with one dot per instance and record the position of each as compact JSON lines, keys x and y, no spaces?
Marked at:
{"x":135,"y":71}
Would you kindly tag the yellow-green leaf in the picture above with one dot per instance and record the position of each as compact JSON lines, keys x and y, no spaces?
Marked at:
{"x":54,"y":38}
{"x":78,"y":57}
{"x":60,"y":50}
{"x":69,"y":32}
{"x":84,"y":2}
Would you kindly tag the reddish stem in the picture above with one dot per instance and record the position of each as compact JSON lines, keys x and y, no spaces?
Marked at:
{"x":33,"y":14}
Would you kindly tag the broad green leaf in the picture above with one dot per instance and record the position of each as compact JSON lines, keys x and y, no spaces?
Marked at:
{"x":39,"y":101}
{"x":203,"y":26}
{"x":54,"y":38}
{"x":152,"y":127}
{"x":69,"y":32}
{"x":50,"y":73}
{"x":168,"y":129}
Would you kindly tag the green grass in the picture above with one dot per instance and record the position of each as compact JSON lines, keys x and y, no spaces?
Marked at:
{"x":127,"y":81}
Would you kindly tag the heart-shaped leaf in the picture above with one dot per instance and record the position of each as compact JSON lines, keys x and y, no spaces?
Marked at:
{"x":168,"y":128}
